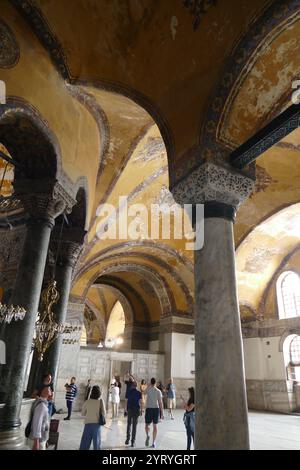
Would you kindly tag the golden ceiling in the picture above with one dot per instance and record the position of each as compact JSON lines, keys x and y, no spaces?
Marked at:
{"x":136,"y":98}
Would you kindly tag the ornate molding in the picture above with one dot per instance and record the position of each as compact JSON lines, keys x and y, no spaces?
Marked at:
{"x":69,"y":252}
{"x":213,"y":183}
{"x":270,"y":135}
{"x":9,"y":47}
{"x":91,"y":104}
{"x":198,"y":8}
{"x":33,"y":15}
{"x":43,"y":199}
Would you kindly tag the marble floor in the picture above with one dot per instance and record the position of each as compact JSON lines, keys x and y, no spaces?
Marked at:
{"x":268,"y":431}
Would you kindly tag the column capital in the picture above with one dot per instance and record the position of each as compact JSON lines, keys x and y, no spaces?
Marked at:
{"x":211,"y":183}
{"x":71,"y":244}
{"x":43,"y":199}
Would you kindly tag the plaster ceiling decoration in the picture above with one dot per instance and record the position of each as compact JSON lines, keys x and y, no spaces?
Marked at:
{"x":165,"y":197}
{"x":154,"y":149}
{"x":9,"y":48}
{"x":258,"y":258}
{"x":263,"y":251}
{"x":147,"y":287}
{"x":263,"y":180}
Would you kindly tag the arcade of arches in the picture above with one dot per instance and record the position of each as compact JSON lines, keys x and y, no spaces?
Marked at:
{"x":167,"y":103}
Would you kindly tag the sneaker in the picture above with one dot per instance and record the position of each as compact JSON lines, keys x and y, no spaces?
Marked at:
{"x":147,"y":441}
{"x":132,"y":444}
{"x":126,"y":442}
{"x":153,"y":445}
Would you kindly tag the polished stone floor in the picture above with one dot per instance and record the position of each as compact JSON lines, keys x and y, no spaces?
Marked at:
{"x":268,"y":431}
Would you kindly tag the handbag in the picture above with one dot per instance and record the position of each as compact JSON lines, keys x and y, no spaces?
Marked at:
{"x":102,"y":420}
{"x":28,"y":429}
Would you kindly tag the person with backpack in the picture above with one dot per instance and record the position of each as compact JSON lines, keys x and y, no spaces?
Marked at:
{"x":37,"y":430}
{"x":46,"y":382}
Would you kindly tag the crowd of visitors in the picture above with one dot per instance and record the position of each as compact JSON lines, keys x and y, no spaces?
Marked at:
{"x":146,"y":399}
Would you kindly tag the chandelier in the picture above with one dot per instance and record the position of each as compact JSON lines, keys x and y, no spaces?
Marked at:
{"x":46,"y":328}
{"x":8,"y":313}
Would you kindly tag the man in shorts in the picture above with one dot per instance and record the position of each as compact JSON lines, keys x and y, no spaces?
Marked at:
{"x":153,"y":405}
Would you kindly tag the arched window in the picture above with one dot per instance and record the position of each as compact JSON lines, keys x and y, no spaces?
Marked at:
{"x":295,"y":351}
{"x":291,"y":353}
{"x":288,"y":294}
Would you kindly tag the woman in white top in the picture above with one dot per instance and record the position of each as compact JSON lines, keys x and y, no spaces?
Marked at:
{"x":92,"y":409}
{"x":115,"y":399}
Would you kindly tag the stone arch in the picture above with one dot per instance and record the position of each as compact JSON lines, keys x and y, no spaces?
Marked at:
{"x":82,"y":197}
{"x":29,"y":140}
{"x":262,"y":31}
{"x":288,"y":332}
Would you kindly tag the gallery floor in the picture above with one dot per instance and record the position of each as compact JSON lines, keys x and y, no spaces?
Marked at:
{"x":268,"y":431}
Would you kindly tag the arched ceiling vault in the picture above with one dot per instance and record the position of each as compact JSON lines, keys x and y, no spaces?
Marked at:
{"x":264,"y":252}
{"x":147,"y":40}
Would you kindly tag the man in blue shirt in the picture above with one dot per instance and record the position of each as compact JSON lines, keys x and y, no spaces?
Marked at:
{"x":133,"y":412}
{"x":71,"y":392}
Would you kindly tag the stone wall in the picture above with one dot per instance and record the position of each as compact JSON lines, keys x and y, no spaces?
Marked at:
{"x":88,"y":362}
{"x":268,"y":387}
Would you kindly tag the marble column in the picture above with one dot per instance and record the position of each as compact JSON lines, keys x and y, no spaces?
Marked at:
{"x":43,"y":201}
{"x":69,"y":253}
{"x":221,"y":405}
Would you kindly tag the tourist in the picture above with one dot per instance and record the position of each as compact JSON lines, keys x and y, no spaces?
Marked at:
{"x":88,"y":390}
{"x":171,"y":397}
{"x":92,"y":409}
{"x":46,"y":382}
{"x":115,"y":399}
{"x":128,"y":379}
{"x":40,"y":421}
{"x":189,"y":416}
{"x":143,"y":390}
{"x":153,"y":406}
{"x":118,"y":383}
{"x":71,"y":392}
{"x":162,"y":389}
{"x":134,"y":405}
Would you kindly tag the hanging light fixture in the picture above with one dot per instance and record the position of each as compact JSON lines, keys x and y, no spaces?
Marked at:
{"x":8,"y":313}
{"x":46,"y":328}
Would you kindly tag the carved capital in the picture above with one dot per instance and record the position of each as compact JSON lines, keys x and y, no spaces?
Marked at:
{"x":43,"y":199}
{"x":68,"y":245}
{"x":213,"y":183}
{"x":70,"y":253}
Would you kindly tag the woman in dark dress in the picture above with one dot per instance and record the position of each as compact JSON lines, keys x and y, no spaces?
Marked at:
{"x":189,"y":416}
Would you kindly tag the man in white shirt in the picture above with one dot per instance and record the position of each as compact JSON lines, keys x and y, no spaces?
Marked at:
{"x":40,"y":423}
{"x":153,"y":405}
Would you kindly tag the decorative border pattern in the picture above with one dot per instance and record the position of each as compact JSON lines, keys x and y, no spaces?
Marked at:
{"x":34,"y":17}
{"x":87,"y":100}
{"x":9,"y":47}
{"x":37,"y":22}
{"x":198,"y":8}
{"x":270,"y":135}
{"x":211,"y":182}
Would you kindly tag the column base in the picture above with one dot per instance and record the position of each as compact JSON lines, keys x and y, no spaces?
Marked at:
{"x":12,"y":439}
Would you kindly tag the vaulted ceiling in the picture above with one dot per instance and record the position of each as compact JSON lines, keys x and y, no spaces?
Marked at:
{"x":136,"y":97}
